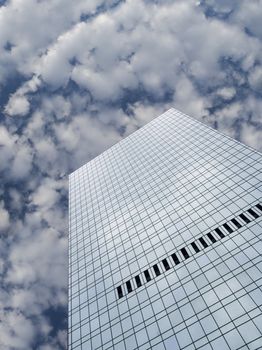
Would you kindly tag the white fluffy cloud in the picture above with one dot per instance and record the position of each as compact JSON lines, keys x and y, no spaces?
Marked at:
{"x":4,"y":218}
{"x":178,"y":34}
{"x":16,"y":155}
{"x":17,"y":105}
{"x":17,"y":331}
{"x":226,"y":92}
{"x":255,"y":79}
{"x":22,"y":162}
{"x":46,"y":194}
{"x":7,"y":144}
{"x":252,"y":136}
{"x":37,"y":24}
{"x":248,"y":15}
{"x":93,"y":72}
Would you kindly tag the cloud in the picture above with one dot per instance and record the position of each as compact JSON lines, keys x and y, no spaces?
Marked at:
{"x":84,"y":137}
{"x":90,"y":73}
{"x":46,"y":195}
{"x":26,"y":37}
{"x":252,"y":136}
{"x":57,"y":105}
{"x":7,"y":145}
{"x":188,"y":99}
{"x":17,"y":331}
{"x":16,"y":155}
{"x":17,"y":105}
{"x":227,"y":93}
{"x":4,"y":218}
{"x":255,"y":78}
{"x":248,"y":16}
{"x":40,"y":259}
{"x":22,"y":162}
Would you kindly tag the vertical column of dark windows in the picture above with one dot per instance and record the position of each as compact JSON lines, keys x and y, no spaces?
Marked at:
{"x":166,"y":264}
{"x":259,"y":206}
{"x":119,"y":292}
{"x":236,"y":223}
{"x":219,"y":232}
{"x":211,"y":237}
{"x":147,"y":275}
{"x":245,"y":218}
{"x":129,"y":286}
{"x":253,"y":213}
{"x":156,"y":269}
{"x":175,"y":258}
{"x":185,"y":253}
{"x":138,"y":281}
{"x":228,"y":228}
{"x":195,"y":247}
{"x":203,"y":242}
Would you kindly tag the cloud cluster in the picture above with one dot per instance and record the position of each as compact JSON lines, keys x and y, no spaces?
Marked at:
{"x":77,"y":78}
{"x":4,"y":218}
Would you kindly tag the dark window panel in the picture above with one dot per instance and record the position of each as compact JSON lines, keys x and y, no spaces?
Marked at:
{"x":175,"y":258}
{"x":138,"y":281}
{"x":236,"y":223}
{"x":219,"y":232}
{"x":245,"y":218}
{"x":166,"y":264}
{"x":211,"y":237}
{"x":185,"y":253}
{"x":253,"y":213}
{"x":195,"y":247}
{"x":228,"y":228}
{"x":156,"y":269}
{"x":203,"y":242}
{"x":119,"y":292}
{"x":129,"y":286}
{"x":147,"y":275}
{"x":259,"y":206}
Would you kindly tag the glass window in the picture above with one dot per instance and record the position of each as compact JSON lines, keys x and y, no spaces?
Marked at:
{"x":247,"y":302}
{"x":175,"y":318}
{"x":171,"y":344}
{"x":221,"y":317}
{"x":212,"y":275}
{"x":196,"y":331}
{"x":249,"y":331}
{"x":219,"y":344}
{"x":152,"y":330}
{"x":222,"y":291}
{"x":164,"y":324}
{"x":158,"y":306}
{"x":130,"y":342}
{"x":199,"y":304}
{"x":234,"y":339}
{"x":234,"y":285}
{"x":141,"y":337}
{"x":208,"y":324}
{"x":183,"y":338}
{"x":234,"y":309}
{"x":210,"y":298}
{"x":201,"y":281}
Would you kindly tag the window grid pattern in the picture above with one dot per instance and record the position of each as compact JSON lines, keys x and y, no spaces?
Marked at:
{"x":193,"y":248}
{"x":149,"y":195}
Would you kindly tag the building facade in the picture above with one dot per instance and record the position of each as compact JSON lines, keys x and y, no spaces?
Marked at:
{"x":165,"y":242}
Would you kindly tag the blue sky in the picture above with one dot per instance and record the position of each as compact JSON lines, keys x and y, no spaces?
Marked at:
{"x":76,"y":77}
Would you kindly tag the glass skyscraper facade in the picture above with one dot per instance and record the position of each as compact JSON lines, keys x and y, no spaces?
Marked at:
{"x":165,"y":242}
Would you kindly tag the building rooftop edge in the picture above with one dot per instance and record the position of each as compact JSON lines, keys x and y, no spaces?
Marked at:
{"x":170,"y":109}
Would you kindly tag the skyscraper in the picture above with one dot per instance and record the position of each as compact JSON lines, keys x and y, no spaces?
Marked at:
{"x":165,"y":242}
